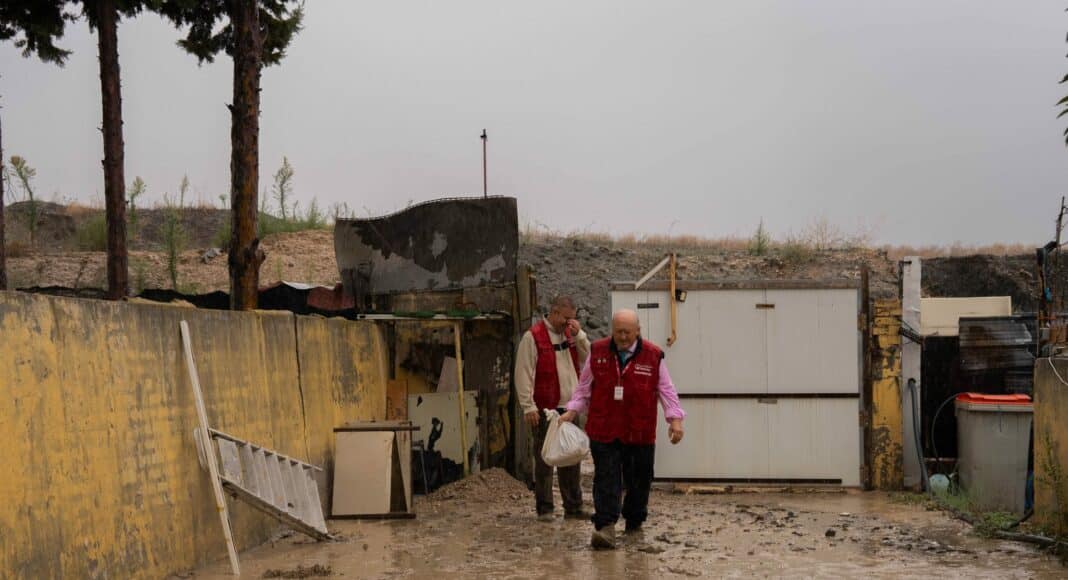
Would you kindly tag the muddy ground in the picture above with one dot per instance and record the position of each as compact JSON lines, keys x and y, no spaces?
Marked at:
{"x":485,"y":528}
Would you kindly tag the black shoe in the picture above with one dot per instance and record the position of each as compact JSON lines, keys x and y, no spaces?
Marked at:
{"x":604,"y":538}
{"x":633,"y":528}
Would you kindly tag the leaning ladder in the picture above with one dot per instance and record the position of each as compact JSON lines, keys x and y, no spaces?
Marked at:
{"x":278,"y":485}
{"x":275,"y":484}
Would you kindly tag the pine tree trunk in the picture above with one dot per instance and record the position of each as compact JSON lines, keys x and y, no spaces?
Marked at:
{"x":245,"y":254}
{"x":3,"y":244}
{"x":114,"y":177}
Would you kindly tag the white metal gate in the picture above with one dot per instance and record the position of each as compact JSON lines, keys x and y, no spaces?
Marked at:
{"x":769,"y":374}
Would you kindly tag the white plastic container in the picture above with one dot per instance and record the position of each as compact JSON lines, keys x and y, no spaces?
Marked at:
{"x":993,"y":435}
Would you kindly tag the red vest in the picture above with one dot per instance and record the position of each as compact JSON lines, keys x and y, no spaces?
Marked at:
{"x":546,"y":379}
{"x":632,"y":420}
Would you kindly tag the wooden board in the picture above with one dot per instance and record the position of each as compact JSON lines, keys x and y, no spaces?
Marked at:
{"x":363,"y":468}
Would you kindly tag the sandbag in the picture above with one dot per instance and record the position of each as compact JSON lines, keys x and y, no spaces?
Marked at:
{"x":565,"y":444}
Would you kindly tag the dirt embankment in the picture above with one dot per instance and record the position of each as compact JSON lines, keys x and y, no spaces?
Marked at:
{"x":985,"y":275}
{"x":584,"y":270}
{"x":71,"y":228}
{"x":564,"y":265}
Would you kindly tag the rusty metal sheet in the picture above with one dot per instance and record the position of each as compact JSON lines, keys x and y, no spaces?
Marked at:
{"x":438,"y":245}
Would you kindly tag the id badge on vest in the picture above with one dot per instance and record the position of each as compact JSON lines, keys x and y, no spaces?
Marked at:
{"x":618,"y":393}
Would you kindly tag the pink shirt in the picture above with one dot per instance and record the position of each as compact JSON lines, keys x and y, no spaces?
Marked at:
{"x":669,"y":398}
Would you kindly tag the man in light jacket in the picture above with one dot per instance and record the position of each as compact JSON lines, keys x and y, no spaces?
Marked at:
{"x":546,"y":372}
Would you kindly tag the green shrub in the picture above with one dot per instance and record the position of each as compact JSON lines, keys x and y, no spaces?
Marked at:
{"x":136,"y":190}
{"x":24,"y":174}
{"x":173,"y":240}
{"x":268,"y":224}
{"x":221,"y":239}
{"x":92,"y":235}
{"x":796,"y":252}
{"x":140,"y":278}
{"x":988,"y":524}
{"x":761,"y":241}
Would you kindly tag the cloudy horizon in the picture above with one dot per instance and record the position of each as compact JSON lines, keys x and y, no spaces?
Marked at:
{"x":916,"y":122}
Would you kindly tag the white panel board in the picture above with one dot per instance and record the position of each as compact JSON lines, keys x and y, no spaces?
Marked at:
{"x":814,"y":439}
{"x":362,"y":472}
{"x":724,"y":439}
{"x":445,"y":407}
{"x":813,"y":341}
{"x":941,"y":316}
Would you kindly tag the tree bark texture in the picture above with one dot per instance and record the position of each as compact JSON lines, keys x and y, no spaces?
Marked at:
{"x":245,"y":252}
{"x":3,"y":243}
{"x":114,"y":170}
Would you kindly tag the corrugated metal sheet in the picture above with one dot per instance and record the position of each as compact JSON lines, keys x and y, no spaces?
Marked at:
{"x":330,"y":299}
{"x":305,"y":298}
{"x":997,"y":342}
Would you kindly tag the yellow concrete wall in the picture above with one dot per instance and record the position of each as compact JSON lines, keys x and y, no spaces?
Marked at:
{"x":886,"y":431}
{"x":96,"y":413}
{"x":344,"y":374}
{"x":1051,"y":446}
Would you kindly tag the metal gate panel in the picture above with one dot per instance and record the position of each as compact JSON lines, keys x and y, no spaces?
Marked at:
{"x":813,"y":344}
{"x":814,"y":439}
{"x":769,"y":375}
{"x":725,"y":439}
{"x":638,"y":301}
{"x":722,"y":343}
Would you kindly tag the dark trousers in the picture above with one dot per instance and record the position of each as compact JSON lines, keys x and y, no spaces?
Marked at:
{"x":570,"y":478}
{"x":620,"y":468}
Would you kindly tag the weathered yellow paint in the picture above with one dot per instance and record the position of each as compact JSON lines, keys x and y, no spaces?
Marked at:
{"x":1051,"y":446}
{"x":887,"y":455}
{"x":96,"y":413}
{"x":415,"y":339}
{"x":343,"y":375}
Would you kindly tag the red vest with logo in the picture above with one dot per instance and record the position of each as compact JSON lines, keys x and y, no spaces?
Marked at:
{"x":632,"y":420}
{"x":546,"y":378}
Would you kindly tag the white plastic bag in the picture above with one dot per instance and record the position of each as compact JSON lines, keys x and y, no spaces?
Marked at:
{"x":565,"y":444}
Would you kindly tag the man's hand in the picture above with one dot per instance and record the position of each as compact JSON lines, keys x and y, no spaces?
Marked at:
{"x":568,"y":417}
{"x":675,"y":431}
{"x":533,"y":418}
{"x":574,"y":326}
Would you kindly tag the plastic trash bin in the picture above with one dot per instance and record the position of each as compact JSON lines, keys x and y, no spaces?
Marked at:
{"x":993,"y":436}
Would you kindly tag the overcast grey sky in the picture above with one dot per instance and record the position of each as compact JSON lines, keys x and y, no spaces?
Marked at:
{"x":924,"y":121}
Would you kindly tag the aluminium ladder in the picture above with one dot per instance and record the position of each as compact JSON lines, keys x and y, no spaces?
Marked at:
{"x":278,"y":485}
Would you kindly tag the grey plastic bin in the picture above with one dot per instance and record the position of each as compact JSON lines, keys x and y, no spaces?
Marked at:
{"x":993,"y":434}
